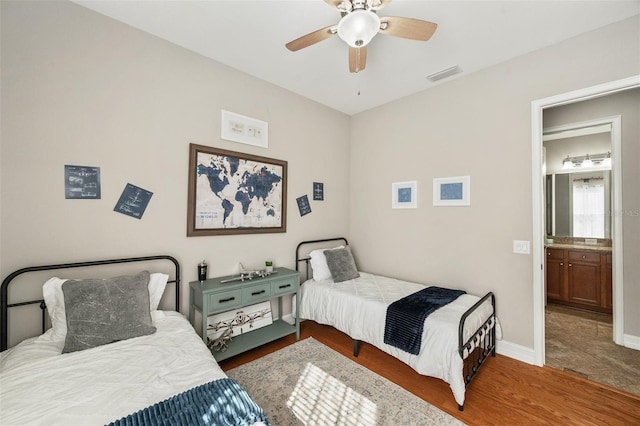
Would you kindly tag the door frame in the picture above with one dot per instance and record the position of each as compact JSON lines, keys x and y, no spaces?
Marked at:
{"x":537,"y":108}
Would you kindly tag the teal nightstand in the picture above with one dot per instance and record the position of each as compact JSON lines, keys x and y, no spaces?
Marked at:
{"x":213,"y":296}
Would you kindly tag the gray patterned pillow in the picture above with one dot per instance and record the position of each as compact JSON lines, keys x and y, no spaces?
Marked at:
{"x":102,"y":311}
{"x":341,"y":264}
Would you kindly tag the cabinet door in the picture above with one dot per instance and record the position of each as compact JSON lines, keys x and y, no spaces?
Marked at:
{"x":584,"y":280}
{"x":555,"y":274}
{"x":607,"y":287}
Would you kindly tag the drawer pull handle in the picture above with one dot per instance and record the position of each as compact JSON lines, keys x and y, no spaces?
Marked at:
{"x":226,"y":300}
{"x":584,"y":257}
{"x":285,"y":286}
{"x":255,"y":293}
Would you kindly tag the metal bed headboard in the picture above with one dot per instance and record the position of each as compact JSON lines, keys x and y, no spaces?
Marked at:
{"x":307,"y":258}
{"x":4,"y":289}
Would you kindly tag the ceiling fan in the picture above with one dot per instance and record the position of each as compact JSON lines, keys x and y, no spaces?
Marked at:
{"x":359,"y":24}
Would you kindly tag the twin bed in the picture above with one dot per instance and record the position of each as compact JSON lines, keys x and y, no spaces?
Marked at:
{"x":165,"y":370}
{"x":454,"y":342}
{"x":115,"y":382}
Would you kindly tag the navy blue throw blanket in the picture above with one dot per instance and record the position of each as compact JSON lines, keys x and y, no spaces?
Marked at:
{"x":220,"y":402}
{"x":405,"y":317}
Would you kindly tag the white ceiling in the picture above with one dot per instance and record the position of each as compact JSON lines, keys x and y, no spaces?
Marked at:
{"x":250,"y":36}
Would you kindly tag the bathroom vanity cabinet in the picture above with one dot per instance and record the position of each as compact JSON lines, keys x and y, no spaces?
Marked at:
{"x":579,"y":278}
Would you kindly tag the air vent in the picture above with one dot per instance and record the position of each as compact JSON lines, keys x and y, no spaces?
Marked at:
{"x":447,"y":72}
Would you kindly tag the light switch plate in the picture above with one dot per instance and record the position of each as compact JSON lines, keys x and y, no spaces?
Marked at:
{"x":521,"y":247}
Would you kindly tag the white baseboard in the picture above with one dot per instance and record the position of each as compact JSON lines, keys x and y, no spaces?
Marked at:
{"x":632,"y":342}
{"x":288,"y":318}
{"x":524,"y":354}
{"x":515,"y":351}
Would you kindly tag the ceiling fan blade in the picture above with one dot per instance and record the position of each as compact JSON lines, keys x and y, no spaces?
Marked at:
{"x":414,"y":29}
{"x":311,"y":38}
{"x":357,"y":58}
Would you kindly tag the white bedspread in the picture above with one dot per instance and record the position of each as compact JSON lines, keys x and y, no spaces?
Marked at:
{"x":358,"y":308}
{"x":38,"y":385}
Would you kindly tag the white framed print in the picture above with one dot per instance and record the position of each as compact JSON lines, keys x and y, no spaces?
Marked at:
{"x":404,"y":195}
{"x":238,"y":128}
{"x":452,"y":191}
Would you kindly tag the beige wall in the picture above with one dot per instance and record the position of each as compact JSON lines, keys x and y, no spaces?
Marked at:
{"x":82,"y":89}
{"x":627,"y":106}
{"x":79,"y":88}
{"x":478,"y":125}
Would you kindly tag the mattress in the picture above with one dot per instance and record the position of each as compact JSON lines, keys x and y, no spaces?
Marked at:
{"x":358,"y":308}
{"x":102,"y":384}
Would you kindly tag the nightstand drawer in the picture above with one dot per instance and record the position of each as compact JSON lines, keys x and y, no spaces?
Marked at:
{"x":284,"y":286}
{"x":226,"y":300}
{"x":256,"y":293}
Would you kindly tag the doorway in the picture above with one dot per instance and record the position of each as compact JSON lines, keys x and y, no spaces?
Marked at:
{"x":578,"y":194}
{"x":538,"y":264}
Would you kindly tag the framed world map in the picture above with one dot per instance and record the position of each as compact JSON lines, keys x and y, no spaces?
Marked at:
{"x":235,"y":193}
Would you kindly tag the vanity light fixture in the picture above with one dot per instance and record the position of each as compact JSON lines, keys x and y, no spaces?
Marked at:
{"x":596,"y":161}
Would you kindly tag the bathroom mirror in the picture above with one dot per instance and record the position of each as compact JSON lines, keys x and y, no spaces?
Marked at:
{"x":579,"y":204}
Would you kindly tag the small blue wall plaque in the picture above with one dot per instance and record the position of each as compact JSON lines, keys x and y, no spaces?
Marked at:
{"x":133,"y":201}
{"x":81,"y":182}
{"x":303,"y":205}
{"x":318,"y":191}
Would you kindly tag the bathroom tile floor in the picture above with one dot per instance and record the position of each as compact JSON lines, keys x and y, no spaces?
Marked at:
{"x":581,"y":343}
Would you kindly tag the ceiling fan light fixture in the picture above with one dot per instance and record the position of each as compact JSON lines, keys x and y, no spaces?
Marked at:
{"x":358,"y":27}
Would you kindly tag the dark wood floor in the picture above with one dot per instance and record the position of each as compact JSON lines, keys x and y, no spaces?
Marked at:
{"x":505,"y":392}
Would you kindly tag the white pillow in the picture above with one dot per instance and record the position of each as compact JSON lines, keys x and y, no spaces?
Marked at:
{"x":319,"y":264}
{"x":54,"y":299}
{"x":157,"y":283}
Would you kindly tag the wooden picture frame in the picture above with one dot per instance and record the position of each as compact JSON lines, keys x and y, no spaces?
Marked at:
{"x":235,"y":193}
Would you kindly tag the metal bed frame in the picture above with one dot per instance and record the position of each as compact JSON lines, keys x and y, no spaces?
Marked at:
{"x":4,"y":289}
{"x":478,"y":347}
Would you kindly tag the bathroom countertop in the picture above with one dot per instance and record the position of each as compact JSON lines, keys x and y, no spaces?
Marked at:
{"x":584,"y":247}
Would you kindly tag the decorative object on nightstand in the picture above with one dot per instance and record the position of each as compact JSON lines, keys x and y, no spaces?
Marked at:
{"x":202,"y":271}
{"x":268,"y":265}
{"x":223,"y":327}
{"x":237,"y":296}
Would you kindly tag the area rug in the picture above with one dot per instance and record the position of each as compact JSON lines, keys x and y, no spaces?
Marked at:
{"x":308,"y":383}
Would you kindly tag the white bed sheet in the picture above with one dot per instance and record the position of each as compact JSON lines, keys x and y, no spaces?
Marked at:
{"x":358,"y":308}
{"x":38,"y":385}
